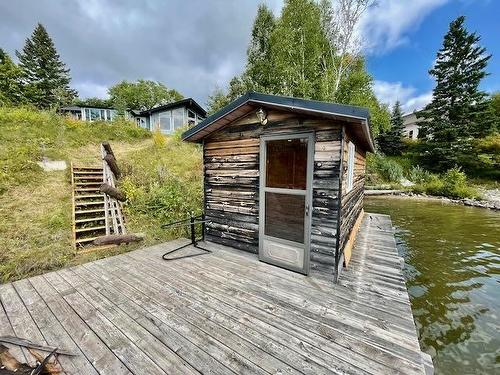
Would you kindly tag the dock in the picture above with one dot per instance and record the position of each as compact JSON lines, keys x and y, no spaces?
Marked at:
{"x":221,"y":313}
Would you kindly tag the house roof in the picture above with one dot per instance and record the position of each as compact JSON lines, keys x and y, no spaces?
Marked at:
{"x":357,"y":116}
{"x":77,"y":107}
{"x":187,"y":102}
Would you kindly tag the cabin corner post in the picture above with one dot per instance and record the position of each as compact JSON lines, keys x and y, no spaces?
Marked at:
{"x":339,"y":208}
{"x":204,"y":207}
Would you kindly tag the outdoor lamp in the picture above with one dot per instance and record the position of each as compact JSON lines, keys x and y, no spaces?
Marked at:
{"x":262,"y":116}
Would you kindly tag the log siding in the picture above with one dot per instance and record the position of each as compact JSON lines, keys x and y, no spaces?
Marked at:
{"x":231,"y":166}
{"x":352,"y":201}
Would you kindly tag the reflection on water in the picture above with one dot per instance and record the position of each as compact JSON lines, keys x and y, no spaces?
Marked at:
{"x":452,"y":256}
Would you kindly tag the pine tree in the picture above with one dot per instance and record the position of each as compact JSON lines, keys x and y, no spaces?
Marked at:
{"x":10,"y":81}
{"x":391,"y":141}
{"x":46,"y":78}
{"x":259,"y":69}
{"x":458,"y":111}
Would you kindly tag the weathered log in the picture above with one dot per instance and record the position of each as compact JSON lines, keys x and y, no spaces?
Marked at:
{"x":117,"y":239}
{"x":108,"y":149}
{"x":113,"y":165}
{"x":113,"y":192}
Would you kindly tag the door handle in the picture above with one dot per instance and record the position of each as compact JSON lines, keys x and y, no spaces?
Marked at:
{"x":307,"y":209}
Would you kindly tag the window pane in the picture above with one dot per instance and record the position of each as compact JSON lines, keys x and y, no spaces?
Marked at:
{"x":165,"y":122}
{"x":94,"y":114}
{"x":178,"y":116}
{"x":285,"y":216}
{"x":286,"y":164}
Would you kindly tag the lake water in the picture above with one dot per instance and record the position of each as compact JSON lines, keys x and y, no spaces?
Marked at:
{"x":452,"y":256}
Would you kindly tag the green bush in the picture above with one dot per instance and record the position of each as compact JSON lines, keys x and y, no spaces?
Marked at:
{"x":452,"y":184}
{"x":418,"y":175}
{"x":386,"y":168}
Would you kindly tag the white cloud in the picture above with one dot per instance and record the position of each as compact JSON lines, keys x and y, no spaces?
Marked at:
{"x":90,"y":90}
{"x":390,"y":92}
{"x":386,"y":25}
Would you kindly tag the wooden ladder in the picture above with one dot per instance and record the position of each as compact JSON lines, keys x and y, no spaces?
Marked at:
{"x":94,"y":214}
{"x":89,"y":214}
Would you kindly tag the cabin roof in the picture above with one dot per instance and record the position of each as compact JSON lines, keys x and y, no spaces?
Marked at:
{"x":187,"y":102}
{"x":357,"y":116}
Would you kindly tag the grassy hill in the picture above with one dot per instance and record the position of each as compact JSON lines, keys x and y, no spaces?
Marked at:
{"x":162,"y":179}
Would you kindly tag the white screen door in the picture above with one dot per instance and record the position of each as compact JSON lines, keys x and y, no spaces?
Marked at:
{"x":285,"y":200}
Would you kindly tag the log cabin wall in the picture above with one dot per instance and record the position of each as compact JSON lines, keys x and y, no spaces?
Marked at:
{"x":231,"y":160}
{"x":352,"y":201}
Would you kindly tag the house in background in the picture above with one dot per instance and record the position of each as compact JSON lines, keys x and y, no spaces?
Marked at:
{"x":166,"y":118}
{"x":411,"y":125}
{"x":89,"y":113}
{"x":170,"y":117}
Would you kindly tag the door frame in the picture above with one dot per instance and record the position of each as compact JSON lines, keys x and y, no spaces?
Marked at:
{"x":308,"y":198}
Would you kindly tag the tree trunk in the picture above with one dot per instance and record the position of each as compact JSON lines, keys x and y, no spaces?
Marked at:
{"x":113,"y":192}
{"x":117,"y":239}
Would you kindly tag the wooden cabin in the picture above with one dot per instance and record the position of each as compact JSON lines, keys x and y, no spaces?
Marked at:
{"x":284,"y":178}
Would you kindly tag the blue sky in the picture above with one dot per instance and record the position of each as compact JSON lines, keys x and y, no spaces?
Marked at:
{"x":400,"y":68}
{"x":196,"y":45}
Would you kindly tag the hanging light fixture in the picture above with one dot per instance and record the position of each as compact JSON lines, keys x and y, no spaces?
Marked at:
{"x":262,"y":116}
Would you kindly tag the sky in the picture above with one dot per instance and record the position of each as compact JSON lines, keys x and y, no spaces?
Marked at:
{"x":195,"y":46}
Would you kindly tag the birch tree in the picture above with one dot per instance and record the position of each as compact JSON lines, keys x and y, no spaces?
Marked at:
{"x":340,"y":21}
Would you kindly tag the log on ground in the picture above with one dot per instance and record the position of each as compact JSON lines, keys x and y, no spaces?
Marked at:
{"x":117,"y":239}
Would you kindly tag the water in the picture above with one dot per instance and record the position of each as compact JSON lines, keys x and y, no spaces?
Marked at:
{"x":452,"y":256}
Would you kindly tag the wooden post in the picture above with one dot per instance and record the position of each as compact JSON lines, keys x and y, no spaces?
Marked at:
{"x":108,"y":149}
{"x":118,"y":239}
{"x":113,"y":192}
{"x":113,"y":165}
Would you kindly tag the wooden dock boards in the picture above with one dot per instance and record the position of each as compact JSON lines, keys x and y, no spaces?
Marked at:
{"x":223,"y":313}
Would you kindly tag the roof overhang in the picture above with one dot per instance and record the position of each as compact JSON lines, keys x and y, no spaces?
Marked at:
{"x":356,"y":116}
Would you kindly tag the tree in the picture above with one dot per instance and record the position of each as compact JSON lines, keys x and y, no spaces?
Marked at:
{"x":93,"y":102}
{"x":494,"y":104}
{"x":458,"y":112}
{"x":291,"y":56}
{"x":391,"y":141}
{"x":259,"y":70}
{"x":45,"y":77}
{"x":142,"y":94}
{"x":340,"y":20}
{"x":298,"y":47}
{"x":10,"y":81}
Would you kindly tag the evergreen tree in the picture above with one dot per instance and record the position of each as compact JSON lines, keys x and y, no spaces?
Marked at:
{"x":458,"y":111}
{"x":46,"y":78}
{"x":10,"y":81}
{"x":391,"y":141}
{"x":259,"y":70}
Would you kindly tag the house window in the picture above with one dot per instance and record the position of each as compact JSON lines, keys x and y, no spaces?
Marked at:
{"x":351,"y":149}
{"x":178,"y":117}
{"x":410,"y":134}
{"x":166,"y":122}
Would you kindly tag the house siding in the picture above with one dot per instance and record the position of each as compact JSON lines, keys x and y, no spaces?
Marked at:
{"x":231,"y":162}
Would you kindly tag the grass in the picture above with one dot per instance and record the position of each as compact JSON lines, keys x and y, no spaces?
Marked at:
{"x":162,"y":177}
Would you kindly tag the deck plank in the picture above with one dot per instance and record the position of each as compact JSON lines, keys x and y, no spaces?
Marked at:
{"x":52,"y":330}
{"x":89,"y":343}
{"x":222,"y":313}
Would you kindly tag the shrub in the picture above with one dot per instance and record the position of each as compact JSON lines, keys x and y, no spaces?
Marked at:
{"x":388,"y":169}
{"x":418,"y":175}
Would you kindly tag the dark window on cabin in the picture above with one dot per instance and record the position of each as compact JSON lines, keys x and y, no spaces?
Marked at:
{"x":286,"y":164}
{"x":411,"y":134}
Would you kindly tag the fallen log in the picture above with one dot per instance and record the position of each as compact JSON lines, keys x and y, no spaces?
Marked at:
{"x":117,"y":239}
{"x":113,"y":192}
{"x":113,"y":165}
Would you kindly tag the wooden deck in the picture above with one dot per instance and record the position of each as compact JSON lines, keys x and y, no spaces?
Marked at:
{"x":222,"y":313}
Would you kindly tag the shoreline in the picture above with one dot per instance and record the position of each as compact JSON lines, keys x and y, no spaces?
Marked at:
{"x":400,"y":194}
